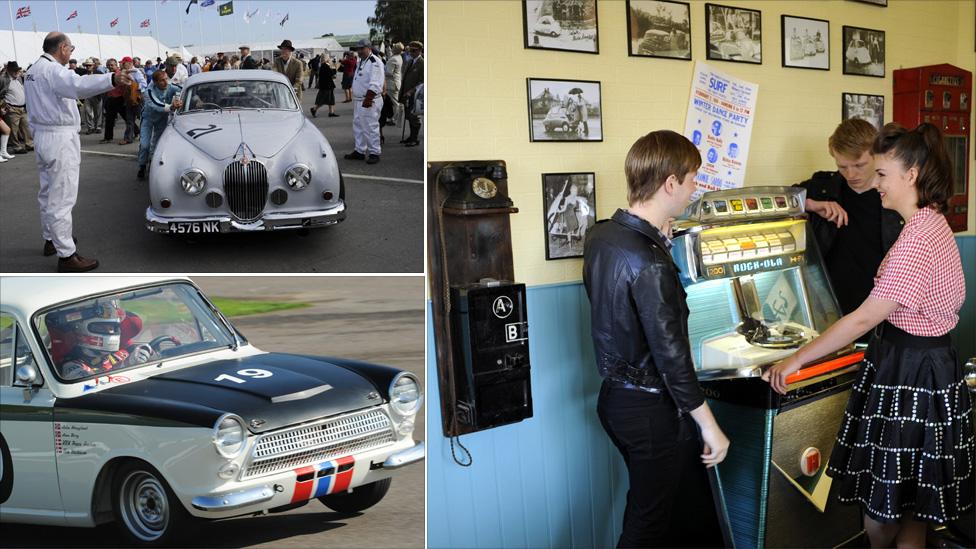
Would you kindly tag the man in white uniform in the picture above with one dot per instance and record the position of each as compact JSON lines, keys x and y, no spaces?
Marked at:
{"x":367,"y":96}
{"x":52,"y":91}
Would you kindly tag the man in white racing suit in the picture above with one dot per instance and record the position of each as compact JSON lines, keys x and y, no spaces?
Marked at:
{"x":52,"y":91}
{"x":367,"y":96}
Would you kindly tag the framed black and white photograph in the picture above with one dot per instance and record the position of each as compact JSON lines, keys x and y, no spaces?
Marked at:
{"x":659,"y":28}
{"x":864,"y":51}
{"x":569,"y":201}
{"x":564,"y":110}
{"x":806,"y":42}
{"x":882,"y":3}
{"x":563,"y":25}
{"x":863,"y":106}
{"x":733,"y":34}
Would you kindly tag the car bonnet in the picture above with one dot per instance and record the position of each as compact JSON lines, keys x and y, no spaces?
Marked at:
{"x":268,"y":391}
{"x":219,"y":134}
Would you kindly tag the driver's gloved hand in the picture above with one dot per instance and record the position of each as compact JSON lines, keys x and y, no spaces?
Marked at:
{"x":141,"y":354}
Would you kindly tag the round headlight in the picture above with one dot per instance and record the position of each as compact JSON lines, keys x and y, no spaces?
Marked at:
{"x":229,"y":436}
{"x":405,"y":394}
{"x":193,"y":181}
{"x":298,"y":177}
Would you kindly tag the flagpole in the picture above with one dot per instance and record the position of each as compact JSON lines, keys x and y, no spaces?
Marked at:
{"x":153,"y":29}
{"x":181,"y":27}
{"x":98,"y":32}
{"x":132,"y":49}
{"x":233,"y":20}
{"x":200,"y":26}
{"x":13,"y":34}
{"x":56,"y":15}
{"x":220,"y":33}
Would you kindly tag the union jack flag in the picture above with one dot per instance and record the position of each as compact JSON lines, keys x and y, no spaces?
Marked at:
{"x":23,"y":12}
{"x":114,"y":22}
{"x":72,"y":16}
{"x":144,"y":24}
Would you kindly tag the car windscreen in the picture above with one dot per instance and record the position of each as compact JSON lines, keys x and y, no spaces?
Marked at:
{"x":238,"y":94}
{"x":111,"y":333}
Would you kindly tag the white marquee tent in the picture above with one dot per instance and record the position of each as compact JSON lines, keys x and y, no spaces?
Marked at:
{"x":102,"y":46}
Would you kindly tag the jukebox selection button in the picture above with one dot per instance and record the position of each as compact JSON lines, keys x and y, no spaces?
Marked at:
{"x":721,"y":207}
{"x":749,"y":253}
{"x":810,"y":462}
{"x":735,"y":255}
{"x":789,"y":247}
{"x":736,"y":204}
{"x":720,"y":257}
{"x":780,"y":202}
{"x":752,"y":204}
{"x":777,"y":249}
{"x":767,"y":203}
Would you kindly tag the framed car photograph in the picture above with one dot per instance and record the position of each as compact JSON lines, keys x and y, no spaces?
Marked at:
{"x":560,"y":25}
{"x":733,"y":34}
{"x":564,"y":110}
{"x":864,"y":51}
{"x":569,"y":206}
{"x":863,"y":106}
{"x":806,"y":42}
{"x":659,"y":28}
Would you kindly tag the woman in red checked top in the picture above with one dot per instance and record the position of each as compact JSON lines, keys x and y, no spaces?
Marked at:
{"x":905,"y":451}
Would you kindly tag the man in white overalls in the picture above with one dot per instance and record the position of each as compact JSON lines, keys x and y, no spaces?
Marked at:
{"x":367,"y":96}
{"x":52,"y":91}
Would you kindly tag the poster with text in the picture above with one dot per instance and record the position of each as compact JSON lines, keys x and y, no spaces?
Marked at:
{"x":720,"y":114}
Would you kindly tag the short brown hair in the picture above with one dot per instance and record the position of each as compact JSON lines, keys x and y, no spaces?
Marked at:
{"x":852,"y":138}
{"x":653,"y":158}
{"x":921,"y":148}
{"x":159,"y":75}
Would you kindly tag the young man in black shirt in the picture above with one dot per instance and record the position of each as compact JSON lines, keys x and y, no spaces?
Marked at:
{"x":852,"y":230}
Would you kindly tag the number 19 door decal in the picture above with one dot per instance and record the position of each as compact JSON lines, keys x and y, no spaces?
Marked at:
{"x":322,"y":479}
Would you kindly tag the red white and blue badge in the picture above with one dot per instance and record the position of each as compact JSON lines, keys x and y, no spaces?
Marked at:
{"x":328,"y":477}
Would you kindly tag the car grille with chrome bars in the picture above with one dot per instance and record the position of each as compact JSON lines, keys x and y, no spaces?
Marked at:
{"x":320,"y":441}
{"x":246,"y":187}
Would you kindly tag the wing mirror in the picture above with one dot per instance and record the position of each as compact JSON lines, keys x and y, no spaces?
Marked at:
{"x":27,"y":375}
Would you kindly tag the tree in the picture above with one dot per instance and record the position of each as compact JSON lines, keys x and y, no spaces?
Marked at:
{"x":397,"y":21}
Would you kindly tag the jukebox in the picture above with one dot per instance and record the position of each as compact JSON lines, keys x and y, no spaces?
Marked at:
{"x":758,"y":290}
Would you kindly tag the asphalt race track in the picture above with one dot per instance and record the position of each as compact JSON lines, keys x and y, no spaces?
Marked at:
{"x":383,"y":230}
{"x":378,"y":319}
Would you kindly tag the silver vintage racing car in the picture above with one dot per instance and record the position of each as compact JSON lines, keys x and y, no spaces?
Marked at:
{"x":241,"y":156}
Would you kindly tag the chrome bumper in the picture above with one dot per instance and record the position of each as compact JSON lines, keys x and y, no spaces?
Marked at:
{"x":406,"y":457}
{"x":234,"y":500}
{"x":270,"y":221}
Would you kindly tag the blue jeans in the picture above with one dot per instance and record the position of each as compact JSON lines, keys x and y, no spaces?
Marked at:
{"x":150,"y":131}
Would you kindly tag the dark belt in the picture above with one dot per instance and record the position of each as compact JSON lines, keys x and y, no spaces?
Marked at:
{"x":889,"y":332}
{"x":18,"y":106}
{"x":614,"y":384}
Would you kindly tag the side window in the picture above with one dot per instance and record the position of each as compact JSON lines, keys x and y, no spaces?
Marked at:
{"x":8,"y":334}
{"x":14,"y":350}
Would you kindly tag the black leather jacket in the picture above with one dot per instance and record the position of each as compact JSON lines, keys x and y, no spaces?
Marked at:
{"x":638,"y":311}
{"x":827,"y":186}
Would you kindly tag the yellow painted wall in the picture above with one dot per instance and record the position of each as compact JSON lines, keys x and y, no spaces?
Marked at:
{"x":477,"y":67}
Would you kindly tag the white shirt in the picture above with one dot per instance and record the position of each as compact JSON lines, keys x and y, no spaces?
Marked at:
{"x":51,"y":90}
{"x":369,"y":75}
{"x":15,"y":93}
{"x":180,"y":76}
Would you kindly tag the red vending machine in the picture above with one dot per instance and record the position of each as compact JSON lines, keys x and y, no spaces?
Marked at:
{"x":941,"y":95}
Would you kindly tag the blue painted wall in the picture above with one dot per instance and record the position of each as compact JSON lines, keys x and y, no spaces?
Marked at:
{"x":555,"y":480}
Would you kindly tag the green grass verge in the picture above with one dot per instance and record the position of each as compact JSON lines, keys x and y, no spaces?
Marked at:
{"x":164,"y":311}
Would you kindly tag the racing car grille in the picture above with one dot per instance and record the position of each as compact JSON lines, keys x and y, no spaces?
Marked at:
{"x":246,"y":188}
{"x":317,"y":442}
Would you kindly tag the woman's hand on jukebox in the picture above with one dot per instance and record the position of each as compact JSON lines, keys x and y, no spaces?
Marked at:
{"x":777,"y":373}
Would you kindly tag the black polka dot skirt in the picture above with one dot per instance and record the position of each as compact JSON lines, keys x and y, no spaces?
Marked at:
{"x":906,"y":444}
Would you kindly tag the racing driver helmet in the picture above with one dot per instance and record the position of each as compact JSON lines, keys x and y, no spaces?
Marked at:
{"x":98,"y":326}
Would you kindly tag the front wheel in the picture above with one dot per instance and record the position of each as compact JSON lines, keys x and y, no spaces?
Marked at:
{"x":359,"y":499}
{"x":146,"y":509}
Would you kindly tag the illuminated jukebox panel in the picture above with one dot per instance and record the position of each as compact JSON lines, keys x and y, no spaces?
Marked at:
{"x":757,"y":291}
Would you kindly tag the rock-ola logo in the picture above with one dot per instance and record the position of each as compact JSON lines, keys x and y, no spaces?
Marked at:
{"x":810,"y":462}
{"x":502,"y":307}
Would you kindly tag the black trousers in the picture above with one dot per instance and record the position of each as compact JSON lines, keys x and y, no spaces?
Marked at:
{"x":114,"y":107}
{"x":669,"y":502}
